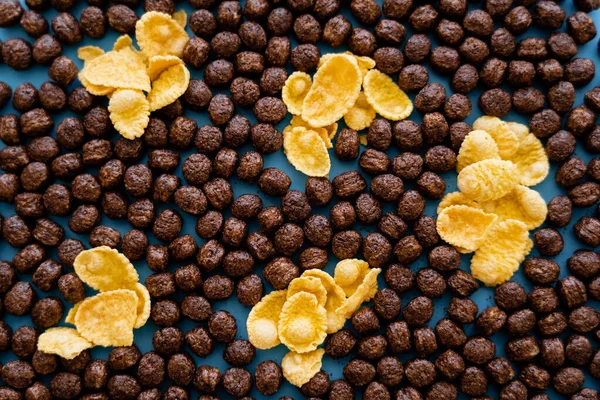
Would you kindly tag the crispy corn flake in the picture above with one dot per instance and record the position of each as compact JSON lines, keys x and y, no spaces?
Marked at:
{"x":263,"y":320}
{"x":143,"y":306}
{"x":464,"y":226}
{"x":331,"y":130}
{"x":123,"y":42}
{"x":300,"y":368}
{"x":455,"y":199}
{"x":505,"y":138}
{"x":307,"y":152}
{"x":169,"y":86}
{"x":365,"y":292}
{"x":363,"y":140}
{"x":180,"y":17}
{"x":302,"y":323}
{"x":520,"y":130}
{"x":477,"y":146}
{"x":158,"y":64}
{"x":105,"y":269}
{"x":523,"y":204}
{"x":64,"y":342}
{"x":361,"y":114}
{"x":96,"y":90}
{"x":364,"y":63}
{"x":108,"y":318}
{"x":488,"y":179}
{"x":295,"y":90}
{"x":506,"y":245}
{"x":323,"y":133}
{"x":118,"y":69}
{"x":531,"y":161}
{"x":88,"y":53}
{"x":350,"y":273}
{"x":385,"y":96}
{"x":129,"y":112}
{"x":70,"y":318}
{"x":308,"y":284}
{"x":159,"y":34}
{"x":335,"y":299}
{"x":335,"y":88}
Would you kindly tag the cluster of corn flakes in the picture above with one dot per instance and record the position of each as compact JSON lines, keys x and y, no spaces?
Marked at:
{"x":138,"y":82}
{"x":494,"y":210}
{"x":301,"y":316}
{"x":344,"y":86}
{"x":108,"y":318}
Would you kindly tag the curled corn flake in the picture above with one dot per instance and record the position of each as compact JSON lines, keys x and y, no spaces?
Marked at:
{"x":170,"y":85}
{"x":477,"y":146}
{"x":308,"y":284}
{"x":361,"y":114}
{"x":158,"y":64}
{"x":523,"y":204}
{"x":364,"y":63}
{"x":520,"y":130}
{"x":295,"y":90}
{"x":129,"y":112}
{"x":385,"y":96}
{"x":118,"y":69}
{"x":488,"y":179}
{"x":297,"y":121}
{"x":335,"y":299}
{"x":64,"y":342}
{"x":88,"y":53}
{"x":143,"y":306}
{"x":350,"y":273}
{"x":331,"y":130}
{"x":107,"y":319}
{"x":455,"y":199}
{"x":365,"y":292}
{"x":123,"y":42}
{"x":307,"y":152}
{"x":300,"y":368}
{"x":531,"y":161}
{"x":70,"y":318}
{"x":263,"y":320}
{"x":506,"y":245}
{"x":335,"y":88}
{"x":464,"y":226}
{"x":180,"y":17}
{"x":105,"y":269}
{"x":302,"y":323}
{"x":505,"y":138}
{"x":159,"y":34}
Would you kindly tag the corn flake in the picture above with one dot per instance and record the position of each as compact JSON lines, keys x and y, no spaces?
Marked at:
{"x":456,"y":199}
{"x":263,"y":320}
{"x":350,"y":273}
{"x":64,"y":342}
{"x":158,"y":64}
{"x":531,"y":161}
{"x":523,"y":204}
{"x":158,"y":34}
{"x":105,"y":269}
{"x":365,"y":292}
{"x":129,"y":112}
{"x":361,"y":114}
{"x":107,"y":319}
{"x":118,"y":69}
{"x":295,"y":90}
{"x":331,"y":130}
{"x":123,"y":42}
{"x":88,"y":53}
{"x":520,"y":130}
{"x":505,"y":138}
{"x":335,"y":299}
{"x":169,"y":86}
{"x":323,"y":133}
{"x":70,"y":318}
{"x":300,"y":368}
{"x":385,"y":96}
{"x":477,"y":146}
{"x":181,"y":18}
{"x":143,"y":306}
{"x":364,"y":63}
{"x":302,"y":323}
{"x":464,"y":226}
{"x":308,"y":284}
{"x":307,"y":152}
{"x":488,"y":179}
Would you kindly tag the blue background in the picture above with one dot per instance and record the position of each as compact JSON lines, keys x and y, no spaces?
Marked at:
{"x":143,"y":337}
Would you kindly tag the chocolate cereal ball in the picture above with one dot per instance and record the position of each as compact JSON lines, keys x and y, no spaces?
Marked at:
{"x":17,"y":54}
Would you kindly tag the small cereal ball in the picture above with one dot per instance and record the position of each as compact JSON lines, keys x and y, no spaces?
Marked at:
{"x":16,"y":53}
{"x":67,"y":29}
{"x":93,"y":22}
{"x":548,"y":14}
{"x":337,"y":31}
{"x":11,"y":11}
{"x":362,"y":42}
{"x":581,"y":27}
{"x":478,"y":23}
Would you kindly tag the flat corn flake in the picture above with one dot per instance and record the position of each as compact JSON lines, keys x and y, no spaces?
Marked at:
{"x":364,"y":63}
{"x":464,"y":226}
{"x":302,"y":323}
{"x":308,"y":284}
{"x":488,"y":179}
{"x":107,"y":319}
{"x":143,"y":305}
{"x":158,"y":64}
{"x":64,"y":342}
{"x":88,"y":53}
{"x":519,"y":130}
{"x":300,"y":368}
{"x":477,"y":146}
{"x":104,"y":269}
{"x":360,"y":115}
{"x":169,"y":86}
{"x":365,"y":292}
{"x":335,"y":299}
{"x":523,"y":204}
{"x":118,"y":69}
{"x":499,"y":256}
{"x":70,"y":318}
{"x":307,"y":152}
{"x":331,"y":130}
{"x":531,"y":161}
{"x":298,"y":121}
{"x":263,"y":320}
{"x":386,"y":97}
{"x":505,"y":138}
{"x":455,"y":199}
{"x":159,"y":34}
{"x":335,"y":88}
{"x":349,"y":274}
{"x":180,"y":17}
{"x":129,"y":112}
{"x":294,"y":91}
{"x":125,"y":43}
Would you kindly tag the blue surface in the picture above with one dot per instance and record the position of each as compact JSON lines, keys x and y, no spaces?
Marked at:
{"x":143,"y":337}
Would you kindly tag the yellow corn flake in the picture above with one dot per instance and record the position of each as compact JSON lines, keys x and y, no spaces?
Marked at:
{"x":335,"y":88}
{"x":488,"y":179}
{"x":360,"y":115}
{"x":307,"y":152}
{"x":96,"y":90}
{"x":143,"y":306}
{"x":70,"y":318}
{"x":123,"y":42}
{"x":181,"y":18}
{"x":297,"y":121}
{"x":363,"y":140}
{"x":170,"y":85}
{"x":365,"y":292}
{"x":477,"y":146}
{"x":107,"y":319}
{"x":499,"y":256}
{"x":158,"y":64}
{"x":531,"y":161}
{"x":505,"y":138}
{"x":263,"y":320}
{"x":300,"y":368}
{"x":364,"y":63}
{"x":350,"y":273}
{"x":331,"y":130}
{"x":64,"y":342}
{"x":308,"y":284}
{"x":302,"y":323}
{"x":335,"y":299}
{"x":118,"y":69}
{"x":385,"y":96}
{"x":295,"y":90}
{"x":105,"y":269}
{"x":159,"y":34}
{"x":129,"y":112}
{"x":88,"y":53}
{"x":455,"y":199}
{"x":464,"y":226}
{"x":520,"y":130}
{"x":523,"y":204}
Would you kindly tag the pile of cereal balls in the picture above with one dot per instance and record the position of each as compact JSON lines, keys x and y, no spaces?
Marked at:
{"x":68,"y":178}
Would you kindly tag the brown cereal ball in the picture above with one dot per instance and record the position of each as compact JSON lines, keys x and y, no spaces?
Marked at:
{"x":122,"y":18}
{"x":359,"y":372}
{"x":520,"y":73}
{"x":417,"y":48}
{"x":581,"y":27}
{"x":434,"y":128}
{"x":445,"y":60}
{"x":33,"y":23}
{"x":408,"y":166}
{"x":66,"y":28}
{"x":93,"y":22}
{"x":532,"y":49}
{"x":450,"y":32}
{"x":518,"y":20}
{"x":561,"y":46}
{"x":387,"y":187}
{"x":549,"y":71}
{"x":346,"y":244}
{"x":362,"y":42}
{"x":495,"y":102}
{"x":268,"y":377}
{"x":305,"y":57}
{"x":430,"y":98}
{"x":493,"y":72}
{"x":336,"y":31}
{"x":580,"y":71}
{"x":568,"y":380}
{"x":474,"y":50}
{"x":548,"y":14}
{"x":340,"y":344}
{"x":195,"y":52}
